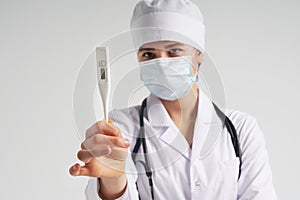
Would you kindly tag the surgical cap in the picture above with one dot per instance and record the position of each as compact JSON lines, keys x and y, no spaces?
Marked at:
{"x":172,"y":20}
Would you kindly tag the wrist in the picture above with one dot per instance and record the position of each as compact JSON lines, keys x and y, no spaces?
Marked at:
{"x":112,"y":188}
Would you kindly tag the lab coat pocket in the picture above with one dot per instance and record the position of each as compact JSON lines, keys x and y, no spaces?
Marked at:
{"x":230,"y":171}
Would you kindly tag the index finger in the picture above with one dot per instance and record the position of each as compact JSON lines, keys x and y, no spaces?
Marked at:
{"x":104,"y":140}
{"x":103,"y":127}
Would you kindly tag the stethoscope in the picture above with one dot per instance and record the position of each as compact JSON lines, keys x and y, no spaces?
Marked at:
{"x":141,"y":140}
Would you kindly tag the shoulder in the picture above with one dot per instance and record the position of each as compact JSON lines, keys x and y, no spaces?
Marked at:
{"x":241,"y":120}
{"x":126,"y":119}
{"x":247,"y":127}
{"x":131,"y":113}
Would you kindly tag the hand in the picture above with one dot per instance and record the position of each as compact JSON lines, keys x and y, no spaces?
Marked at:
{"x":103,"y":151}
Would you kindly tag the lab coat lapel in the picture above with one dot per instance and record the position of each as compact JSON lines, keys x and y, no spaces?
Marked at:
{"x":207,"y":128}
{"x":159,"y":120}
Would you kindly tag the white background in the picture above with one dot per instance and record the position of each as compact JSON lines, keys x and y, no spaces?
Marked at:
{"x":254,"y":43}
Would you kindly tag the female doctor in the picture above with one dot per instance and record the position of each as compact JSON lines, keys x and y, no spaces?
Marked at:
{"x":174,"y":146}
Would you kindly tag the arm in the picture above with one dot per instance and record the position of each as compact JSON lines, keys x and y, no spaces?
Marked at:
{"x":256,"y":177}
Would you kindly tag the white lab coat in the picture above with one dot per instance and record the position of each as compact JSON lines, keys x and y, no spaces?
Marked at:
{"x":208,"y":171}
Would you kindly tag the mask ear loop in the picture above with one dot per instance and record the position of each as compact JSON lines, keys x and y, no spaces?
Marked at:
{"x":197,"y":72}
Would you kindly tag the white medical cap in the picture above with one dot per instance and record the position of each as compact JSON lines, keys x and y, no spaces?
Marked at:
{"x":173,"y":20}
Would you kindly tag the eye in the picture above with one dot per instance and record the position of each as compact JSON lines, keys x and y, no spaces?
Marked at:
{"x":148,"y":55}
{"x":175,"y":51}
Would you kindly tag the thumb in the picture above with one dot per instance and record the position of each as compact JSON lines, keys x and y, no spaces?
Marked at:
{"x":77,"y":170}
{"x":111,"y":121}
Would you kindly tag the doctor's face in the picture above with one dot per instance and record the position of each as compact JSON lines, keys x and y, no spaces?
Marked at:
{"x":169,"y":49}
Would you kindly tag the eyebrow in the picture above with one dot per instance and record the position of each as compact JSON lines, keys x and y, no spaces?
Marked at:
{"x":166,"y":47}
{"x":146,"y":49}
{"x":173,"y":45}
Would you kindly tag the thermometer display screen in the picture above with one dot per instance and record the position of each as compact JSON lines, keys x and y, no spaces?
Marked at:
{"x":102,"y":71}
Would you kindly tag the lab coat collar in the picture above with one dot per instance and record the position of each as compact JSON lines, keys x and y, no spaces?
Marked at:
{"x":157,"y":117}
{"x":156,"y":112}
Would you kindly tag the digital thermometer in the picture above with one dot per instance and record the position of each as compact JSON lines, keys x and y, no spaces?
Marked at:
{"x":103,"y":75}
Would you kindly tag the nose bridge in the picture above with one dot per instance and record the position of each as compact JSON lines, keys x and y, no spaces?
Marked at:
{"x":162,"y":53}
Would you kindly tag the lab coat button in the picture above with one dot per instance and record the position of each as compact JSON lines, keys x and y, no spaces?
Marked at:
{"x":197,"y":183}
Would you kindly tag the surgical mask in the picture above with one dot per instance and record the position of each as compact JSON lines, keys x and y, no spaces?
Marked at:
{"x":168,"y":78}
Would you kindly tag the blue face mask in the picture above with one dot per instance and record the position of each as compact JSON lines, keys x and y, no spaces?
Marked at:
{"x":168,"y":78}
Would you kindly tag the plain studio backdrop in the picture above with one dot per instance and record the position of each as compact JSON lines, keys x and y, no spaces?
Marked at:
{"x":43,"y":44}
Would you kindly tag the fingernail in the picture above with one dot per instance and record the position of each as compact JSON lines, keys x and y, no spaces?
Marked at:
{"x":74,"y":168}
{"x":126,"y":143}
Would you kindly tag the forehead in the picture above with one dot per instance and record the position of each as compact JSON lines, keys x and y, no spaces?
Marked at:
{"x":162,"y":44}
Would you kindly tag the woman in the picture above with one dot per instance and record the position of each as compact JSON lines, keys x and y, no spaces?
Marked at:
{"x":190,"y":153}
